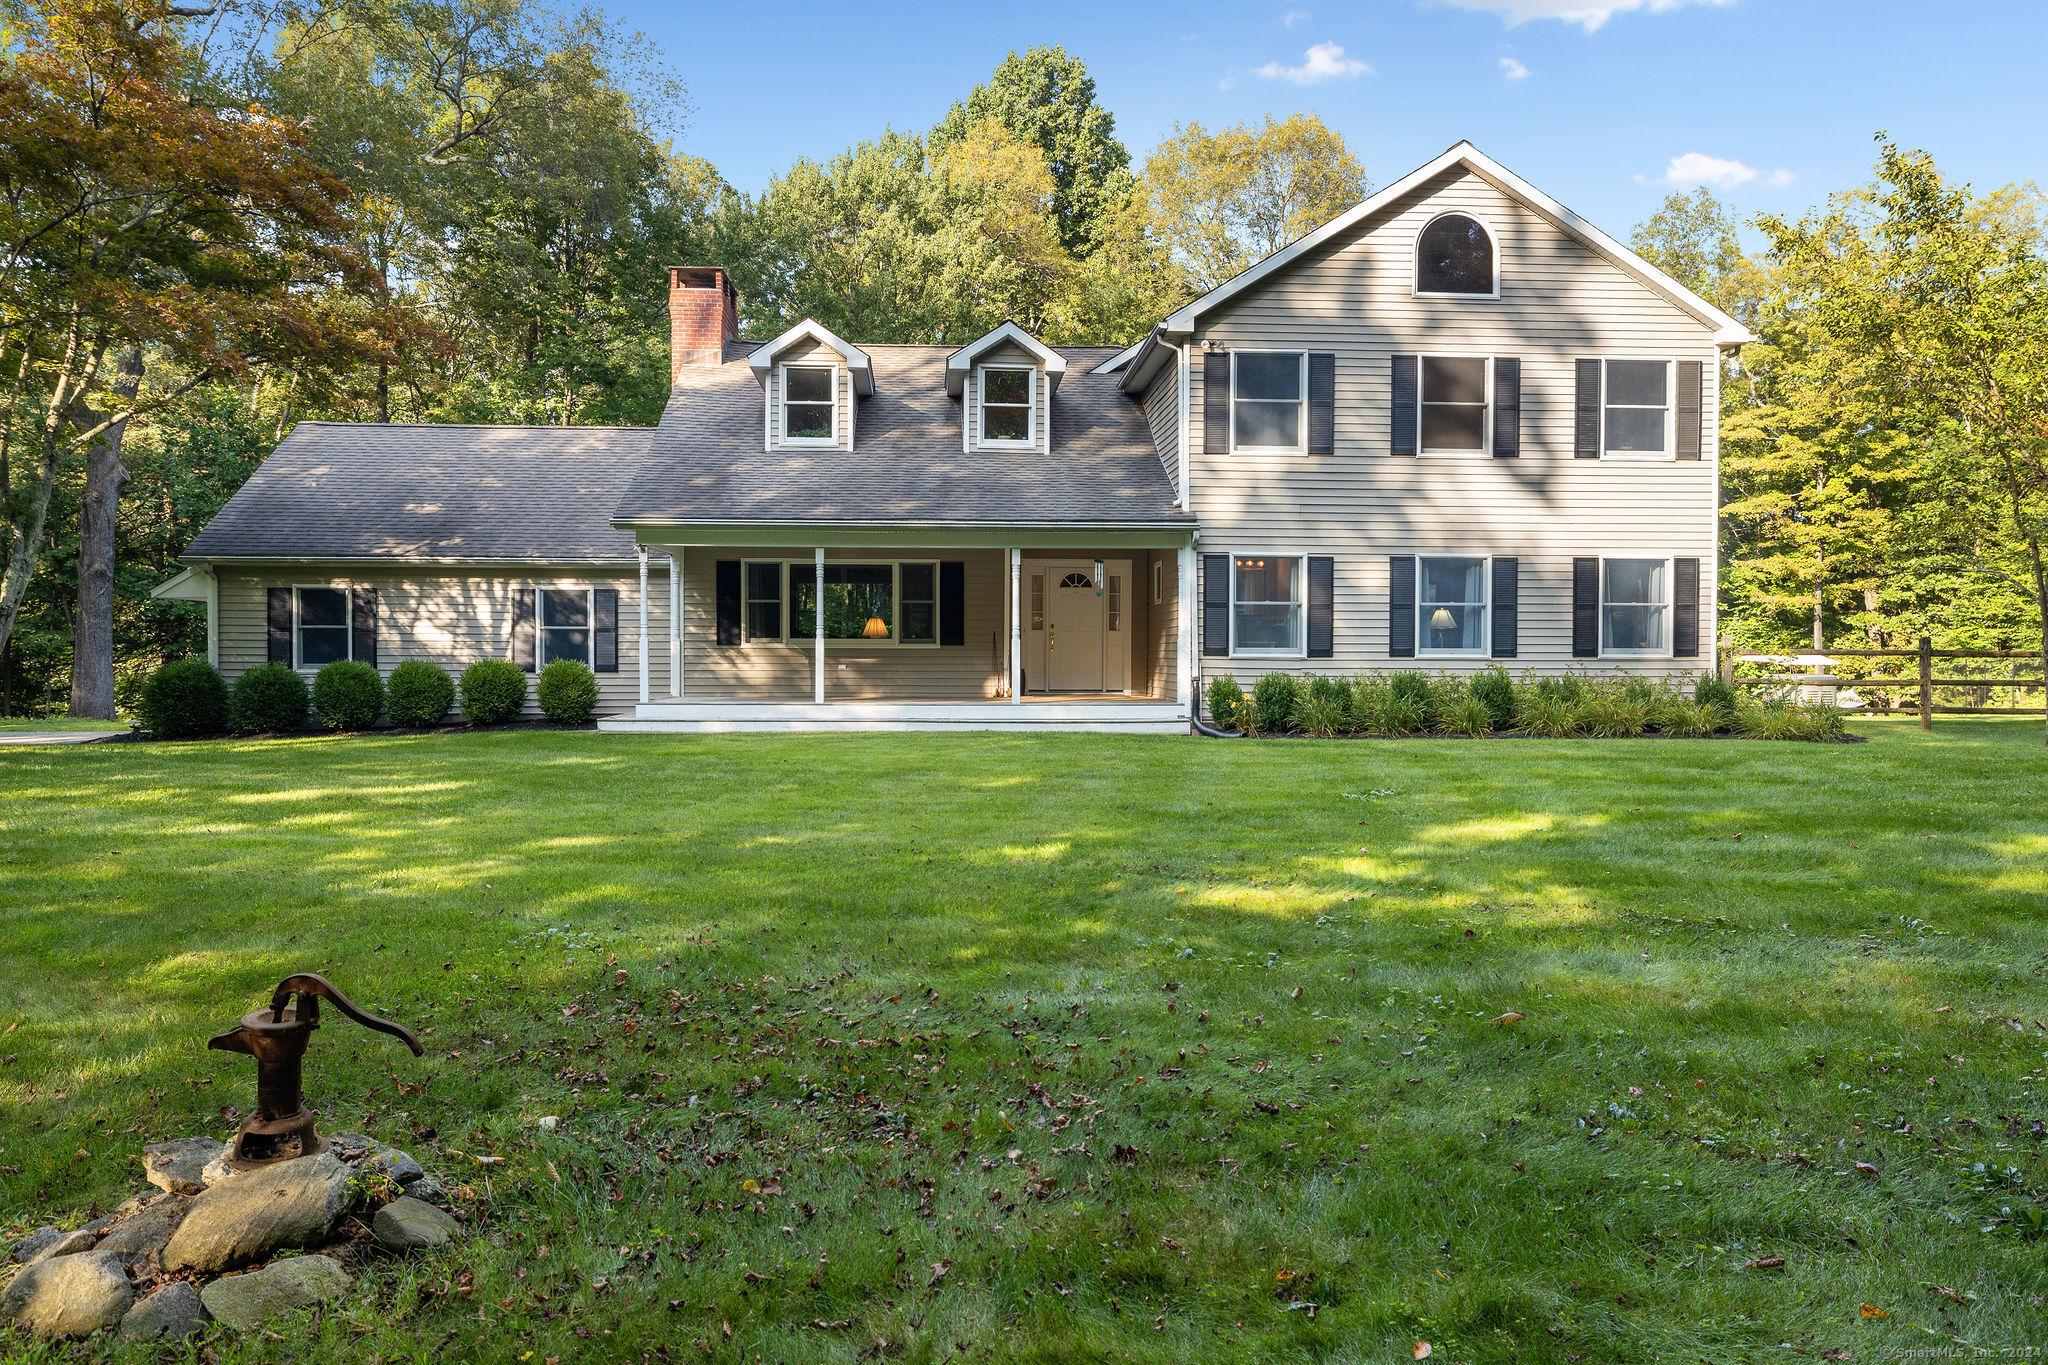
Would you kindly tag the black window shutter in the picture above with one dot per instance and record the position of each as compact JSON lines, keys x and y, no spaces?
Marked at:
{"x":279,"y":606}
{"x":1216,"y":606}
{"x":1586,"y":411}
{"x":1406,"y":413}
{"x":1685,"y":608}
{"x":1216,"y":402}
{"x":1692,"y":382}
{"x":1586,"y":608}
{"x":1401,"y":606}
{"x":1507,"y":577}
{"x":1322,"y":601}
{"x":604,"y":634}
{"x":952,"y":602}
{"x":729,"y":601}
{"x":362,"y":625}
{"x":522,"y":627}
{"x":1322,"y":404}
{"x":1507,"y":407}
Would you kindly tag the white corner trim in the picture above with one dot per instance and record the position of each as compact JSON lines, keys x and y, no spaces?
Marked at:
{"x":1727,"y":330}
{"x":961,"y":363}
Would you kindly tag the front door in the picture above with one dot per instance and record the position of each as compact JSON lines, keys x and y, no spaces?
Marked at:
{"x":1073,"y":629}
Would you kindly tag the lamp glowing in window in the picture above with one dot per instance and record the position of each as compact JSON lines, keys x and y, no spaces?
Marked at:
{"x":875,"y":629}
{"x":1443,"y":620}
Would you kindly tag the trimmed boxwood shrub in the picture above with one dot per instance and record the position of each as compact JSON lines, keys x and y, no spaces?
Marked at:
{"x":1413,"y":699}
{"x":185,"y":697}
{"x":418,"y":695}
{"x":1273,"y":697}
{"x":1494,"y":690}
{"x":348,"y":694}
{"x":270,"y":698}
{"x":493,"y":692}
{"x":567,"y":692}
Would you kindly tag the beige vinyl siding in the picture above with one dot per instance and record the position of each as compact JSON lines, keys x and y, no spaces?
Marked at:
{"x":1008,"y":354}
{"x":1162,"y":413}
{"x":809,"y":352}
{"x":453,"y":617}
{"x":1559,"y":302}
{"x":1157,"y":670}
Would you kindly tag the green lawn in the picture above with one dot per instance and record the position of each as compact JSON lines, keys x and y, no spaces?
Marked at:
{"x":1066,"y":1048}
{"x":16,"y":724}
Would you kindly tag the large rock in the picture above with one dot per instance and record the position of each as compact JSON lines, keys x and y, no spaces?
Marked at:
{"x":69,"y":1296}
{"x":380,"y":1158}
{"x":292,"y":1204}
{"x":147,"y":1230}
{"x":171,"y":1314}
{"x":70,"y":1244}
{"x":35,"y":1244}
{"x":244,"y":1301}
{"x":180,"y":1164}
{"x":407,"y":1224}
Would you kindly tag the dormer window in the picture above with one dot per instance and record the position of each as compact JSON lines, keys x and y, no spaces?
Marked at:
{"x":809,"y":412}
{"x":1455,"y":255}
{"x":1008,"y":405}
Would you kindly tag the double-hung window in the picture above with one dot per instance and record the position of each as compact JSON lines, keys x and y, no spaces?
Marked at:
{"x":1450,"y":604}
{"x":763,"y":600}
{"x":810,"y":412}
{"x":1454,"y":402}
{"x":1007,"y":406}
{"x":920,"y":621}
{"x":1266,"y":604}
{"x":1633,"y":597}
{"x":1636,"y":412}
{"x":564,"y":621}
{"x":323,"y":626}
{"x":1268,"y":392}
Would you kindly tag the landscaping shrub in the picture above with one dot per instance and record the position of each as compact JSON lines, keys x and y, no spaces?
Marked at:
{"x":567,"y":692}
{"x":493,"y":692}
{"x":1547,"y":711}
{"x":1273,"y":697}
{"x":1678,"y":715}
{"x":1494,"y":690}
{"x":1411,"y":692}
{"x":1467,"y":714}
{"x":185,"y":697}
{"x":270,"y":698}
{"x":348,"y":694}
{"x":1789,"y":720}
{"x":1323,"y":708}
{"x":1365,"y":712}
{"x":419,"y":694}
{"x":1719,"y":698}
{"x":1614,"y":710}
{"x":1228,"y":709}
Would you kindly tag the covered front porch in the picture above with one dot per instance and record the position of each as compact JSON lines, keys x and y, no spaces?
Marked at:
{"x":1040,"y":628}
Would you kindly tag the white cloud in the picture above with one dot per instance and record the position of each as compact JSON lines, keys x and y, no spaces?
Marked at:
{"x":1513,"y":69}
{"x":1780,"y":178}
{"x":1588,"y":14}
{"x":1697,"y":168}
{"x":1293,"y":17}
{"x":1323,"y":62}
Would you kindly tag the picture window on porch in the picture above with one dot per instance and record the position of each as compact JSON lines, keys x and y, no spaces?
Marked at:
{"x":764,"y":601}
{"x":1266,"y":606}
{"x":810,"y":412}
{"x":564,"y":625}
{"x":323,"y":626}
{"x":870,"y":604}
{"x":1007,"y":406}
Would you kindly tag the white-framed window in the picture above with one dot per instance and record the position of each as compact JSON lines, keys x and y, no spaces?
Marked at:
{"x":1456,"y":400}
{"x":1266,"y":606}
{"x":1457,"y":256}
{"x":321,"y":632}
{"x":761,"y":587}
{"x":1450,"y":604}
{"x":1158,"y":582}
{"x":1113,"y":602}
{"x":881,"y":604}
{"x":1009,"y":405}
{"x":1038,"y":601}
{"x":810,"y":404}
{"x":1636,"y":409}
{"x":564,"y":618}
{"x":1269,"y":401}
{"x":1635,"y":607}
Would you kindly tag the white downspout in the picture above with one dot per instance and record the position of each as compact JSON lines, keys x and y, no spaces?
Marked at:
{"x":818,"y":623}
{"x":675,"y":622}
{"x":1016,"y":626}
{"x":644,"y":697}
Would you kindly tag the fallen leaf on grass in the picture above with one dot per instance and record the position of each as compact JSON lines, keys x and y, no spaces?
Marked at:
{"x":1765,"y":1263}
{"x":1945,"y":1292}
{"x":1943,"y":1009}
{"x":940,"y":1269}
{"x":836,"y":1325}
{"x":1865,"y":1168}
{"x":1871,"y":1310}
{"x":1262,"y":1106}
{"x":1511,"y":1017}
{"x":1423,"y":1350}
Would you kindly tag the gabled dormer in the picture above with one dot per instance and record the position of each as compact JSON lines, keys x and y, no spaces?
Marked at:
{"x":811,"y":384}
{"x":1005,"y":382}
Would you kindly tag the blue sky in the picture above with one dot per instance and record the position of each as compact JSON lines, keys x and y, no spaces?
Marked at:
{"x":1603,"y":103}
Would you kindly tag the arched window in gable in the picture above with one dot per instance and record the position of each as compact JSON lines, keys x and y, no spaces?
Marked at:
{"x":1455,"y":255}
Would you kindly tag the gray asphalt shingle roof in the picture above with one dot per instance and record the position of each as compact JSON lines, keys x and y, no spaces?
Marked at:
{"x":346,"y":490}
{"x":706,"y":463}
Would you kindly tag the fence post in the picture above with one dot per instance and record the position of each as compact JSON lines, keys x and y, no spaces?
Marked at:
{"x":1727,"y":665}
{"x":1926,"y":683}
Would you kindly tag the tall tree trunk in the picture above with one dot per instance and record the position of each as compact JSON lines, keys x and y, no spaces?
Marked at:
{"x":384,"y":391}
{"x":92,"y":639}
{"x":28,"y":514}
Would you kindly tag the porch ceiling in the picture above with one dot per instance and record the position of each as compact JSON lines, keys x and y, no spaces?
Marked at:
{"x":928,"y":536}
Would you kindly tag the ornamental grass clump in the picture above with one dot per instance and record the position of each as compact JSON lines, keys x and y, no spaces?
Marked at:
{"x":1789,"y":720}
{"x":1550,"y":712}
{"x":1414,"y":693}
{"x":1615,"y":710}
{"x":185,"y":697}
{"x":269,"y":699}
{"x":1366,"y":712}
{"x":493,"y":692}
{"x":418,"y":695}
{"x":1228,"y":707}
{"x":348,"y":694}
{"x":567,"y":692}
{"x":1322,"y":708}
{"x":1465,"y":714}
{"x":1273,"y":698}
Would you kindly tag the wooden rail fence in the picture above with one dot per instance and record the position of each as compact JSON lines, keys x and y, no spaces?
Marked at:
{"x":1924,"y":681}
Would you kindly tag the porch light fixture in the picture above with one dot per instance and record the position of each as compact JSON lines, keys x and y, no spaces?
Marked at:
{"x":875,"y":629}
{"x":1443,"y":620}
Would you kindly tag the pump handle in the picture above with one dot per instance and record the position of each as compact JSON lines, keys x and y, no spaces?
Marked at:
{"x":309,"y":987}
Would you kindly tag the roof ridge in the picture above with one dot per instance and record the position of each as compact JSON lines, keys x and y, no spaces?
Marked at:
{"x":466,"y":426}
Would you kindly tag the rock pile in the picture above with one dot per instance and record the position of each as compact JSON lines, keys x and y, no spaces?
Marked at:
{"x":162,"y":1264}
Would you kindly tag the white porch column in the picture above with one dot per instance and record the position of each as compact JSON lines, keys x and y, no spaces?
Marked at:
{"x":675,"y":621}
{"x":818,"y":622}
{"x":1184,"y":609}
{"x":1016,"y":627}
{"x":643,"y":625}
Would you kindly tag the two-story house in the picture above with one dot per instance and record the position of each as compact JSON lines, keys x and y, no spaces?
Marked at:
{"x":1456,"y":427}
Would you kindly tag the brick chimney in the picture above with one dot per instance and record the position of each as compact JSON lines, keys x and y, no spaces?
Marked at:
{"x":703,"y":315}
